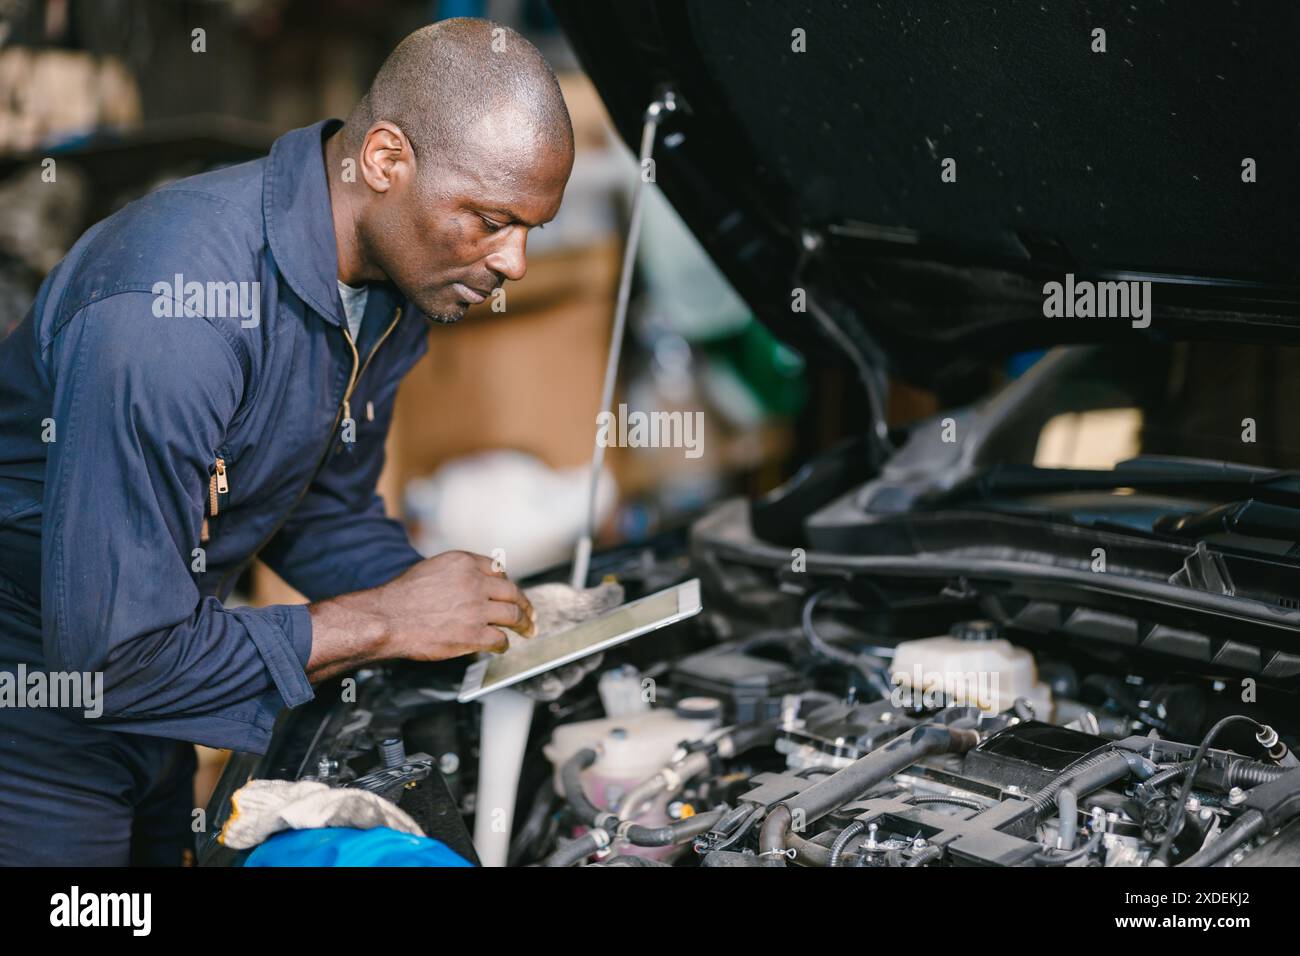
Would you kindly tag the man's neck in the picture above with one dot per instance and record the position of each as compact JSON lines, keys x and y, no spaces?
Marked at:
{"x":353,"y":270}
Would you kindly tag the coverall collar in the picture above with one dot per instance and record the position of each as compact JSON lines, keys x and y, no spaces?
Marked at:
{"x":299,"y":220}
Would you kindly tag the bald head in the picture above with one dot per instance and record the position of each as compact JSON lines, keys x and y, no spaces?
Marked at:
{"x":461,"y":83}
{"x":460,"y":148}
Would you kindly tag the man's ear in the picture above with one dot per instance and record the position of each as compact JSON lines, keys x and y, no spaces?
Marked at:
{"x":386,"y":157}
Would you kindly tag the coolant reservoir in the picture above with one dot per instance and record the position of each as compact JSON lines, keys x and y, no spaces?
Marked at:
{"x":622,"y":691}
{"x":629,"y":748}
{"x":989,"y":674}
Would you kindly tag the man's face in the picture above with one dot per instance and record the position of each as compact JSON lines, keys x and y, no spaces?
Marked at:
{"x":456,"y":229}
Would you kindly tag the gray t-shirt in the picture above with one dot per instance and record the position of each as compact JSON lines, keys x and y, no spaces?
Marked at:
{"x":354,"y":305}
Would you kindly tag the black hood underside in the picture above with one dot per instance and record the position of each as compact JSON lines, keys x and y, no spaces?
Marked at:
{"x":822,"y":169}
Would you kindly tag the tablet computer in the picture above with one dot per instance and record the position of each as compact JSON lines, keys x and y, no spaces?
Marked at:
{"x":494,"y":671}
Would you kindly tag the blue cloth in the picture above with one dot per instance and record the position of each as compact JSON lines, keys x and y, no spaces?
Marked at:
{"x":115,"y":405}
{"x":344,"y":846}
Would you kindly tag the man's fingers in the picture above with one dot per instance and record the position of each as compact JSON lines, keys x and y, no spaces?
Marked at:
{"x":488,"y":566}
{"x":499,"y":589}
{"x":508,"y":614}
{"x":494,"y":639}
{"x":503,"y":590}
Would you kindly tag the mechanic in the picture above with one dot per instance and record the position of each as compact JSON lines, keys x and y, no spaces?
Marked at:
{"x":208,"y":376}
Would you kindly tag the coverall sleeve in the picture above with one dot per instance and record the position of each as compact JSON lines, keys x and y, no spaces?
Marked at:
{"x":140,"y":403}
{"x":338,"y":540}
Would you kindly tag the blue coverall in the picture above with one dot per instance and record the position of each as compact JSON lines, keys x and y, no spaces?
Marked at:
{"x":150,"y":446}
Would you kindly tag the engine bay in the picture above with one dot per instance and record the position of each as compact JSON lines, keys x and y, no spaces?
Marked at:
{"x":801,"y":724}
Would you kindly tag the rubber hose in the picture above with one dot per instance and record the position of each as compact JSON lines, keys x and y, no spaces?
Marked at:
{"x":534,"y":825}
{"x":637,"y":799}
{"x":1044,"y":798}
{"x":837,"y":654}
{"x":1067,"y":809}
{"x":1048,"y":859}
{"x":1247,"y":825}
{"x":676,"y":832}
{"x":771,"y":838}
{"x":1161,"y":856}
{"x":1162,"y":777}
{"x":1092,"y":774}
{"x":751,"y":736}
{"x":966,"y":802}
{"x":841,"y":841}
{"x":735,"y":817}
{"x":576,"y":851}
{"x":849,"y":782}
{"x":1251,"y":773}
{"x":807,"y":853}
{"x":571,"y":780}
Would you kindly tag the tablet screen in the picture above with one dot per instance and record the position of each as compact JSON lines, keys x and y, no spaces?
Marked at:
{"x":622,"y":623}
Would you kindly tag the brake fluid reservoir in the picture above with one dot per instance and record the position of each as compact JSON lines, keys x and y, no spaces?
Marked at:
{"x":989,"y":674}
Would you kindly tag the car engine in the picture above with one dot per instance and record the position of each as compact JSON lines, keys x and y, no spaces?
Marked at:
{"x":808,"y":734}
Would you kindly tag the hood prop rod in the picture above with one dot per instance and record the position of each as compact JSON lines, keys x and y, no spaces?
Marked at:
{"x":654,"y":114}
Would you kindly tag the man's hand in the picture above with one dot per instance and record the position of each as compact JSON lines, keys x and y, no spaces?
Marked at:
{"x":445,"y":606}
{"x":449,"y":605}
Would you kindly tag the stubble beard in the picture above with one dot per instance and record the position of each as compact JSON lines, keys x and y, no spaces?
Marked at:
{"x":445,"y":318}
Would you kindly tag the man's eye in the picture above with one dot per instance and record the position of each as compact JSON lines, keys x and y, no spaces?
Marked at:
{"x":491,"y":226}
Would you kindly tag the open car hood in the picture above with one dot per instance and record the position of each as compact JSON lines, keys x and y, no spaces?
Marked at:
{"x":822,"y":170}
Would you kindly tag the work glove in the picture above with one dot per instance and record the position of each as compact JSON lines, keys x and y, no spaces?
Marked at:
{"x":559,"y":607}
{"x":261,"y":808}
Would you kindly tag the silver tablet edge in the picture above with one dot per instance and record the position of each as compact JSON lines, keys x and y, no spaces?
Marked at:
{"x":688,"y":604}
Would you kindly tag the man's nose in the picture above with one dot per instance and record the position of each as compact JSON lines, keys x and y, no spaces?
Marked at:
{"x":510,"y":260}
